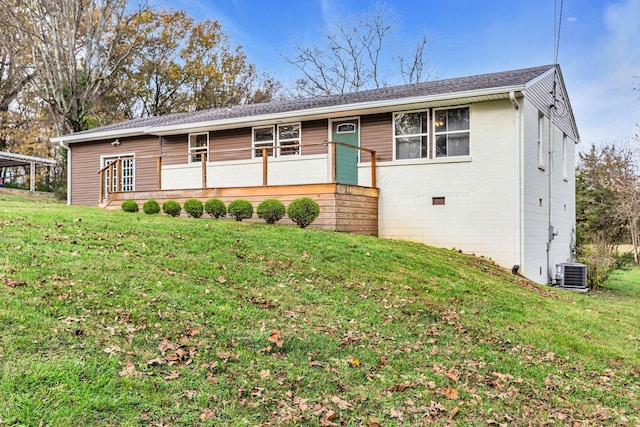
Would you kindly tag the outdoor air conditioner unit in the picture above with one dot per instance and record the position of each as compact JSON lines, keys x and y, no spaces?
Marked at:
{"x":571,"y":275}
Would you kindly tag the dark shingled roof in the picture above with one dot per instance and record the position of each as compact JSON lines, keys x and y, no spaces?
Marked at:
{"x":431,"y":88}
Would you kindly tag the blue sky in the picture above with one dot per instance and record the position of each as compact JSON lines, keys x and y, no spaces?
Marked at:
{"x":599,"y":43}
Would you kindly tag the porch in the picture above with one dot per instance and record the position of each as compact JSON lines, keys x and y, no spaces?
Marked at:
{"x":344,"y":205}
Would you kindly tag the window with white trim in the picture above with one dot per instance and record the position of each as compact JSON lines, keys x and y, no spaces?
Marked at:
{"x":198,"y":147}
{"x":263,"y":137}
{"x":285,"y":138}
{"x":451,"y":132}
{"x":288,"y":135}
{"x":411,"y":135}
{"x":541,"y":141}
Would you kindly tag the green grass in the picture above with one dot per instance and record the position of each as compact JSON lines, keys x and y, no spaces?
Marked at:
{"x":130,"y":319}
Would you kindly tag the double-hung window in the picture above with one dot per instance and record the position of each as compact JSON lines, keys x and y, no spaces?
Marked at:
{"x":284,"y":138}
{"x":289,"y":139}
{"x":198,"y":147}
{"x":451,"y":131}
{"x":263,"y":137}
{"x":411,"y":135}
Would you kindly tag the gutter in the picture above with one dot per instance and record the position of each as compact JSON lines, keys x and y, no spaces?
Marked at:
{"x":518,"y":204}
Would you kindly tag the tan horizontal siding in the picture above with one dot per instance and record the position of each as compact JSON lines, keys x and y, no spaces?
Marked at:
{"x":314,"y":134}
{"x":231,"y":144}
{"x":376,"y":134}
{"x":175,"y":149}
{"x":85,"y":166}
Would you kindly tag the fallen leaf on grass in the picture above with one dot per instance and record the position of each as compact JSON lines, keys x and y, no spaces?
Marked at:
{"x":129,"y":370}
{"x":14,"y":283}
{"x":397,"y":414}
{"x":226,"y":355}
{"x":341,"y":403}
{"x":374,"y":422}
{"x":207,"y":414}
{"x":172,"y":376}
{"x":451,"y":393}
{"x":275,"y":339}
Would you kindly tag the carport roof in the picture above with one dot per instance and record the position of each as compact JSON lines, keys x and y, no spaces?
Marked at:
{"x":11,"y":159}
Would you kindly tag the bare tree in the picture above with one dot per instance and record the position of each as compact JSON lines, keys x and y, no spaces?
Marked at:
{"x":76,"y":46}
{"x":15,"y":68}
{"x":351,"y":59}
{"x":412,"y":66}
{"x":614,"y":171}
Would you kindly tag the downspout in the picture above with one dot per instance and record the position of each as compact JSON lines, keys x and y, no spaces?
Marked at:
{"x":518,"y":204}
{"x":66,"y":147}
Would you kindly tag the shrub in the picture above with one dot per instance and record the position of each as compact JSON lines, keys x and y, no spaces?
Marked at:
{"x":303,"y":211}
{"x":271,"y":210}
{"x":171,"y":207}
{"x":193,"y":207}
{"x":151,"y":207}
{"x":130,"y":206}
{"x":61,"y":193}
{"x":240,"y":209}
{"x":215,"y":208}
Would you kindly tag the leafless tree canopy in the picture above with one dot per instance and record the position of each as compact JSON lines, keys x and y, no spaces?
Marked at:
{"x":352,"y":58}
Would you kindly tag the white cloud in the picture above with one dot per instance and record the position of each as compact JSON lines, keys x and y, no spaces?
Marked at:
{"x":606,"y":106}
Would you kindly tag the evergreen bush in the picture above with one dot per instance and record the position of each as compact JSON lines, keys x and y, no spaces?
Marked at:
{"x":215,"y":207}
{"x":151,"y":207}
{"x":171,"y":207}
{"x":130,"y":206}
{"x":271,"y":210}
{"x":241,"y":209}
{"x":193,"y":208}
{"x":303,"y":211}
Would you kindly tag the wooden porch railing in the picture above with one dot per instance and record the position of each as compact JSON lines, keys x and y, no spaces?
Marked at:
{"x":332,"y":151}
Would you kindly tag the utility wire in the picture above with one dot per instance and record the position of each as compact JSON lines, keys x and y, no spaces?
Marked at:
{"x":557,"y":33}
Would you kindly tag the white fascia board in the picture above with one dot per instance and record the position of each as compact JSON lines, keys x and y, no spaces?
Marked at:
{"x":97,"y":136}
{"x":186,"y":127}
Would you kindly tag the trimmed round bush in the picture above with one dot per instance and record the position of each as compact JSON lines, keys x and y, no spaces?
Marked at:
{"x":215,"y":207}
{"x":271,"y":210}
{"x":171,"y":207}
{"x":303,"y":211}
{"x":151,"y":207}
{"x":241,"y":209}
{"x":130,"y":206}
{"x":193,"y":208}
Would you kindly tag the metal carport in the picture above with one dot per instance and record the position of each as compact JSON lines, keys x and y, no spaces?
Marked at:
{"x":11,"y":160}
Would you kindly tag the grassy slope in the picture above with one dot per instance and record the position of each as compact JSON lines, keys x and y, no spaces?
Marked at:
{"x":127,"y":319}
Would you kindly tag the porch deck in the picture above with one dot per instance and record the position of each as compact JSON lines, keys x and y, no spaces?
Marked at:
{"x":343,"y":207}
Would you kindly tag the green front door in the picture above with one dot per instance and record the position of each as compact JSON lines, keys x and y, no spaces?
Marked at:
{"x":347,"y":132}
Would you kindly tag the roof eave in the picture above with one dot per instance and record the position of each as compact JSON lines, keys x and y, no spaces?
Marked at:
{"x":327,"y":111}
{"x":99,"y":136}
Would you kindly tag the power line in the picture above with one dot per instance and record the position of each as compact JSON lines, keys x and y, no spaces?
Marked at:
{"x":556,"y":31}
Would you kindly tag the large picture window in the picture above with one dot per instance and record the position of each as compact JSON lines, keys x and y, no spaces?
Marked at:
{"x":284,"y":139}
{"x":411,"y":135}
{"x":451,"y":131}
{"x":198,"y":147}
